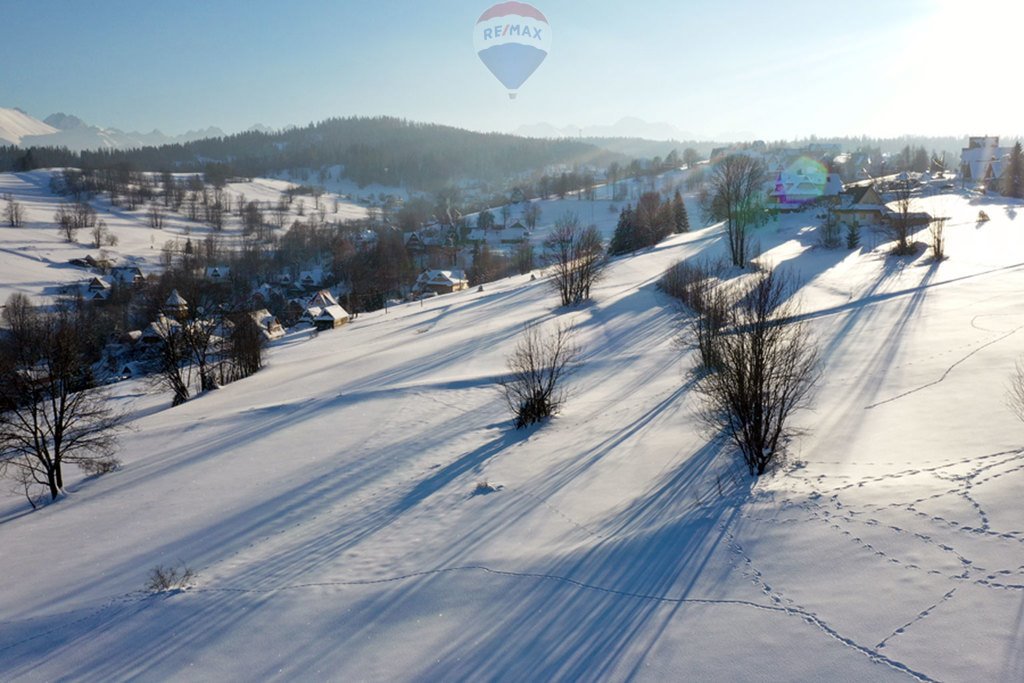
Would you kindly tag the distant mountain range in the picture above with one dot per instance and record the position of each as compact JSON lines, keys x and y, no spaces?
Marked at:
{"x":64,"y":130}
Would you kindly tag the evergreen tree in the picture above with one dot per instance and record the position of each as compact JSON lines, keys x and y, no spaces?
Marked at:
{"x":485,"y":221}
{"x":625,"y":238}
{"x":680,"y":218}
{"x":1013,"y":175}
{"x":853,"y":235}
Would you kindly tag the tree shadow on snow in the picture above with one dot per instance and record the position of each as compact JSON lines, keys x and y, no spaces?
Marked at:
{"x":595,"y":613}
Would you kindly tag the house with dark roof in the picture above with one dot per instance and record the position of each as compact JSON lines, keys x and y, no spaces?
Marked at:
{"x":218,"y":273}
{"x":440,"y":282}
{"x":863,"y":206}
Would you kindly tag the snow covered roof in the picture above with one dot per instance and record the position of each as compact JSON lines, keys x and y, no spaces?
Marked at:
{"x":268,"y":323}
{"x":175,"y":299}
{"x":332,"y":313}
{"x":442,"y":277}
{"x":160,"y":328}
{"x":311,"y":277}
{"x":322,"y":299}
{"x":880,"y":208}
{"x":126,"y":274}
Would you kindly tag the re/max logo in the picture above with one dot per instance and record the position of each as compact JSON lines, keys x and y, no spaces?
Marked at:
{"x":512,"y":30}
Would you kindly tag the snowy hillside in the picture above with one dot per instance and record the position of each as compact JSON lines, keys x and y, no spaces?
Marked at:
{"x":327,"y":503}
{"x":16,"y":124}
{"x":34,"y":258}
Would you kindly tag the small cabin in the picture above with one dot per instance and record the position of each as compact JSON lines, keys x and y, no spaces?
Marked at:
{"x":331,"y":318}
{"x":176,"y":306}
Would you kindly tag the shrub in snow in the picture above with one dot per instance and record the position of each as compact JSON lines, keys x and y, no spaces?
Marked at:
{"x":698,"y":286}
{"x":169,"y":579}
{"x":756,"y":370}
{"x":483,"y":488}
{"x":533,"y":388}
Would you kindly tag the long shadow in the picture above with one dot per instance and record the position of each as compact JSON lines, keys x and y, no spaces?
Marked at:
{"x":197,"y":629}
{"x":632,"y":586}
{"x":869,"y":377}
{"x":859,"y":315}
{"x":873,"y":299}
{"x":291,"y":506}
{"x":469,"y":462}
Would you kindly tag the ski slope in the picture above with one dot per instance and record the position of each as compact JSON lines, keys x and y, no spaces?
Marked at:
{"x":327,"y":504}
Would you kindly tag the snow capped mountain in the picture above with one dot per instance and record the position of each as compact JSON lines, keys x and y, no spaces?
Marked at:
{"x":62,"y":121}
{"x":66,"y":130}
{"x":16,"y":124}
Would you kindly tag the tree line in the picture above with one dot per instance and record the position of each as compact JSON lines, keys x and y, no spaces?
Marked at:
{"x":384,"y":150}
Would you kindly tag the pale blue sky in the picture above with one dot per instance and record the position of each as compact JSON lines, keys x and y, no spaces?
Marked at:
{"x":771,"y":69}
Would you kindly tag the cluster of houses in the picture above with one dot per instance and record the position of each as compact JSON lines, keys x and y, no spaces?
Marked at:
{"x":322,"y":311}
{"x":500,"y":237}
{"x":175,"y":310}
{"x":99,"y":287}
{"x":419,"y":241}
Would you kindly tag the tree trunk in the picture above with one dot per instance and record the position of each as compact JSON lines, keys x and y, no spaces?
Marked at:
{"x":51,"y":481}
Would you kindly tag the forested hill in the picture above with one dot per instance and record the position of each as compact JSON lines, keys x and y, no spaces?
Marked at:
{"x":382,"y":150}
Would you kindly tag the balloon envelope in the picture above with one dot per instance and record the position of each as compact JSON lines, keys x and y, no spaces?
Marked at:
{"x":512,"y":39}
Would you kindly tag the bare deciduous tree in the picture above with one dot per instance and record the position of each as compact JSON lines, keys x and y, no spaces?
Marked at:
{"x":176,"y":368}
{"x":758,"y":369}
{"x":900,"y":226}
{"x":523,"y":258}
{"x":736,"y":196}
{"x":937,"y":229}
{"x":831,"y":237}
{"x":243,"y":349}
{"x":533,"y":388}
{"x":252,"y":218}
{"x":156,"y":217}
{"x":71,"y":218}
{"x":13,"y":214}
{"x":50,"y":415}
{"x":532,"y":214}
{"x":577,"y":258}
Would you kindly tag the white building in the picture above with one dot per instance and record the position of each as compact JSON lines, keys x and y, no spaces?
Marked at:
{"x":982,"y":159}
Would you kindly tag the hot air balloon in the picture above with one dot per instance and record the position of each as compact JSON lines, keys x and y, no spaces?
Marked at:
{"x":512,"y":40}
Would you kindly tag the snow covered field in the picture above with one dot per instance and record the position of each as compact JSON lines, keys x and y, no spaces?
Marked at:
{"x":34,"y":258}
{"x":327,"y":503}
